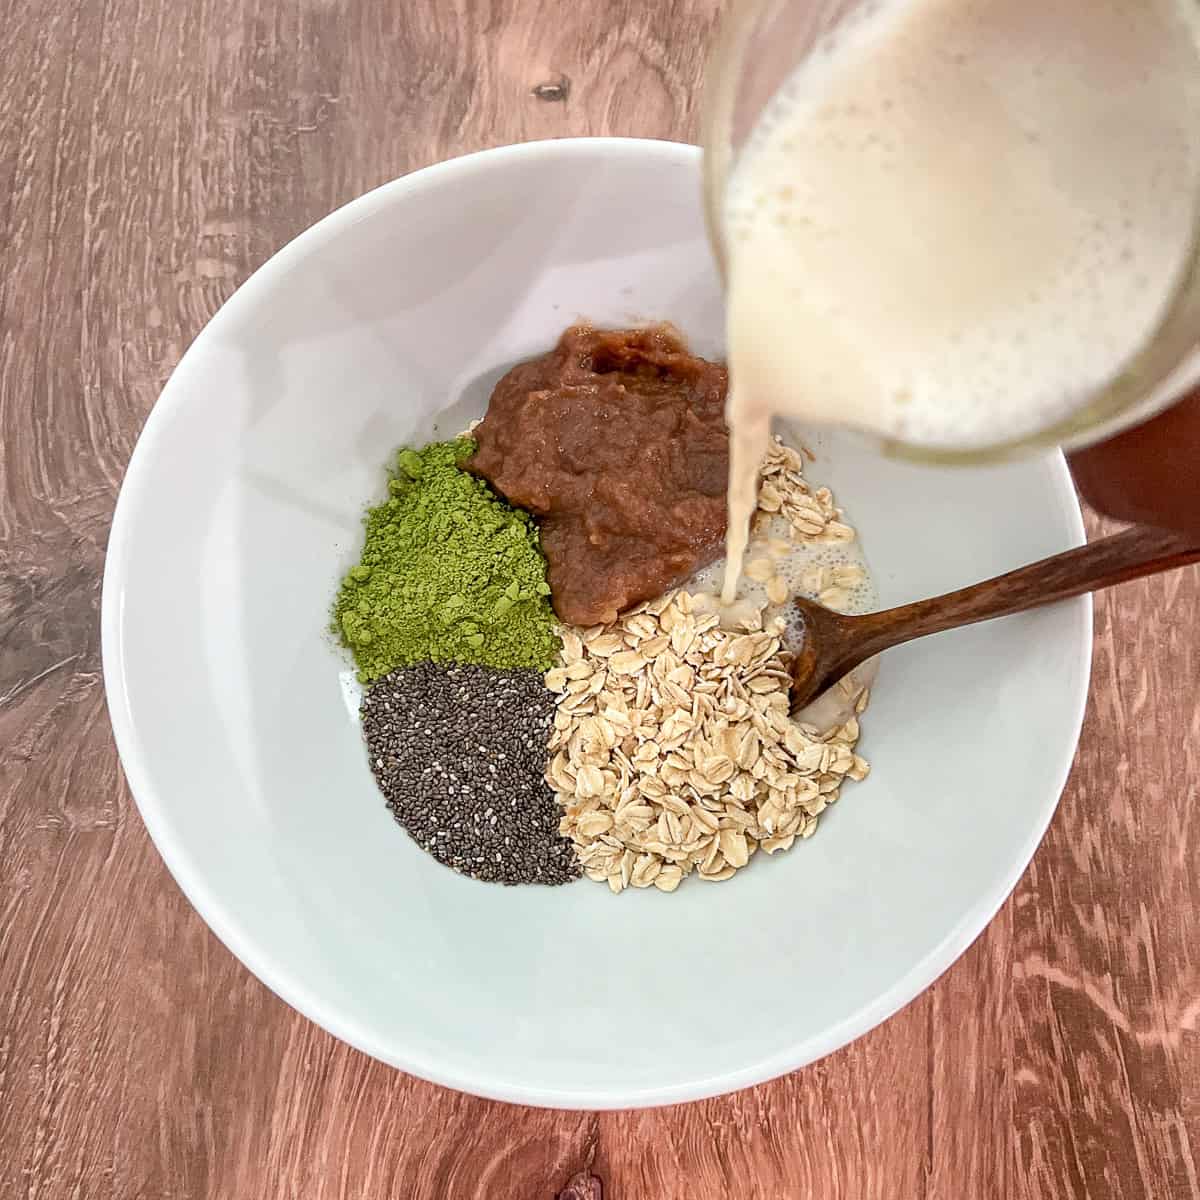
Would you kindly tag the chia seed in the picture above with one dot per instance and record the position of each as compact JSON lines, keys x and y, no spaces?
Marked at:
{"x":447,"y":745}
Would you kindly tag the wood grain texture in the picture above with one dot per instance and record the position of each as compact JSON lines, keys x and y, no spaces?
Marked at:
{"x":151,"y":156}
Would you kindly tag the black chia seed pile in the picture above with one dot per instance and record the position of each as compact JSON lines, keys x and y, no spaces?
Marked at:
{"x":459,"y":753}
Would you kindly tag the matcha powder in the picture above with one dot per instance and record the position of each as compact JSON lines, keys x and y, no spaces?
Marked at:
{"x":449,"y":573}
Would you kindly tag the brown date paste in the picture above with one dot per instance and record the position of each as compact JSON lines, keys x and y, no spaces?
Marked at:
{"x":616,"y":440}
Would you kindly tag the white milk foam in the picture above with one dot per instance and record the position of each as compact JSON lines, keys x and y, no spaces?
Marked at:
{"x":792,"y":568}
{"x":959,"y":218}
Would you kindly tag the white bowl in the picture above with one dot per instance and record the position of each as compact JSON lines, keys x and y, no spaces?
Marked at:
{"x":386,"y":322}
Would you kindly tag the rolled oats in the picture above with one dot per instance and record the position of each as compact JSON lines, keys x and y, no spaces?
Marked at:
{"x":673,"y":752}
{"x":784,"y":490}
{"x":691,"y":762}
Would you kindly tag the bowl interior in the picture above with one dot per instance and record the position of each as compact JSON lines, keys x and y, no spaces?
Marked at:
{"x":388,"y":323}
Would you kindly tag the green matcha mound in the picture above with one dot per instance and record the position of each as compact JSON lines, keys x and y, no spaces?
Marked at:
{"x":448,"y":573}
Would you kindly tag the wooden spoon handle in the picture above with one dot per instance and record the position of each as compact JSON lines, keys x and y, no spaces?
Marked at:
{"x":1128,"y":555}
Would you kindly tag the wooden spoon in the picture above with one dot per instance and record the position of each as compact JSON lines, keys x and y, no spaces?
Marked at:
{"x":834,"y":644}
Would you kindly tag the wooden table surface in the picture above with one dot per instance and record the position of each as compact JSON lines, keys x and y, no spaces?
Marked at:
{"x":151,"y":156}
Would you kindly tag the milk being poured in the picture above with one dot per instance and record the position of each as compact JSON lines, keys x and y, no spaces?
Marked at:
{"x":958,"y":219}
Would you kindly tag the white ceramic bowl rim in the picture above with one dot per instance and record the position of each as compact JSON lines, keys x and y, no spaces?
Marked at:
{"x":259,"y":957}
